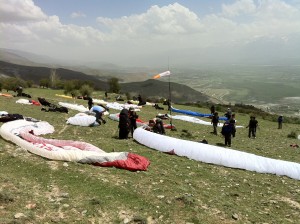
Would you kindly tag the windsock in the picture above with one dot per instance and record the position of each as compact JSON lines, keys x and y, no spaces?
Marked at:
{"x":166,"y":73}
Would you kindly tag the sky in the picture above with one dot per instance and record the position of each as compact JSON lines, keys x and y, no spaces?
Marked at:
{"x":154,"y":33}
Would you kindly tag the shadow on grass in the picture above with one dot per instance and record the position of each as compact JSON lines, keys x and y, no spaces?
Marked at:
{"x":220,"y":144}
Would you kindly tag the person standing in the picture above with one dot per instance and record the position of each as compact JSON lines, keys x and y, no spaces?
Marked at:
{"x":212,"y":109}
{"x":98,"y":110}
{"x":228,"y":113}
{"x":132,"y":117}
{"x":215,"y":121}
{"x":227,"y":132}
{"x":90,"y":101}
{"x":280,"y":120}
{"x":232,"y":121}
{"x":253,"y":124}
{"x":124,"y":124}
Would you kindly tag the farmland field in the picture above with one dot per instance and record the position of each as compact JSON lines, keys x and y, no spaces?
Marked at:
{"x":273,"y":88}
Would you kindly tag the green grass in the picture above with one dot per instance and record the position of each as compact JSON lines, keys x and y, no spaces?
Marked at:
{"x":173,"y":190}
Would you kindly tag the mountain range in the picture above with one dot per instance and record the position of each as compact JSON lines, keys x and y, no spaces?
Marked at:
{"x":134,"y":81}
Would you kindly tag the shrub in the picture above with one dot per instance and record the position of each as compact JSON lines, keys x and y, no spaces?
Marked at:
{"x":86,"y":90}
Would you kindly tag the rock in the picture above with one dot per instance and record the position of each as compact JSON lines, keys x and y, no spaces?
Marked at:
{"x":65,"y":165}
{"x":31,"y":205}
{"x":19,"y":215}
{"x":235,"y":216}
{"x":126,"y":220}
{"x":64,"y":195}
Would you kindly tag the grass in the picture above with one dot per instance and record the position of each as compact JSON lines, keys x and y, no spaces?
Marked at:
{"x":173,"y":190}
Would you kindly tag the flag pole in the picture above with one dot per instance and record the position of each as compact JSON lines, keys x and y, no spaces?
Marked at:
{"x":170,"y":99}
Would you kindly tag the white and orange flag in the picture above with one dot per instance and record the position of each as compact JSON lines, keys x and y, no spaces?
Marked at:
{"x":166,"y":73}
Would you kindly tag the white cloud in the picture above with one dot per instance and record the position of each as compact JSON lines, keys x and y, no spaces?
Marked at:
{"x":238,"y":8}
{"x":75,"y":15}
{"x":20,"y":11}
{"x":171,"y":19}
{"x":159,"y":30}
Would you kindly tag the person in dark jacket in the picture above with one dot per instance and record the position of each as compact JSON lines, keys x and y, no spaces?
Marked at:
{"x":227,"y":132}
{"x":232,"y":121}
{"x":228,"y":113}
{"x":215,"y":121}
{"x":132,"y":117}
{"x":159,"y":127}
{"x":280,"y":120}
{"x":19,"y":90}
{"x":90,"y":101}
{"x":253,"y":124}
{"x":124,"y":124}
{"x":212,"y":109}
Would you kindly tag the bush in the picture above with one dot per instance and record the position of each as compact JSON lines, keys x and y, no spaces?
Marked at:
{"x":86,"y":90}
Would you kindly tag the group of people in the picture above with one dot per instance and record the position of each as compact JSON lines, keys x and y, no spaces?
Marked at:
{"x":229,"y":129}
{"x":127,"y":122}
{"x":127,"y":119}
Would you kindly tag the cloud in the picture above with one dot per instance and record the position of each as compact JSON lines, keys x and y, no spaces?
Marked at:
{"x":75,"y":15}
{"x":155,"y":33}
{"x":167,"y":20}
{"x":238,"y":8}
{"x":20,"y":11}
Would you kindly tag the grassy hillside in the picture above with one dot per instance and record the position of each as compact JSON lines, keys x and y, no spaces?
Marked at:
{"x":173,"y":190}
{"x":37,"y":73}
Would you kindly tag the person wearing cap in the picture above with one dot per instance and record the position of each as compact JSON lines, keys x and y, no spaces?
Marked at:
{"x":228,"y":113}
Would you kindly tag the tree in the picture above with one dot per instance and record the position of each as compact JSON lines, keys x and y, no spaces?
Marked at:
{"x":29,"y":83}
{"x":114,"y":85}
{"x":128,"y":96}
{"x":86,"y":90}
{"x":69,"y":86}
{"x":12,"y":83}
{"x":44,"y":83}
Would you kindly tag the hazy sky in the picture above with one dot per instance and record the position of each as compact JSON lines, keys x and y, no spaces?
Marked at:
{"x":149,"y":33}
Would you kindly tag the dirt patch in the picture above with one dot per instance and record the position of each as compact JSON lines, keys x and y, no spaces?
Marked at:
{"x":63,"y":129}
{"x":53,"y":165}
{"x":289,"y":201}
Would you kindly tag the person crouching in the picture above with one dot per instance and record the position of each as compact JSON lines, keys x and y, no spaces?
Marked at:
{"x":98,"y":110}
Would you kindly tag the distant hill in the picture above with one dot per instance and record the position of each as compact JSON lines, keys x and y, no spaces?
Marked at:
{"x":38,"y":73}
{"x":155,"y":88}
{"x":149,"y":88}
